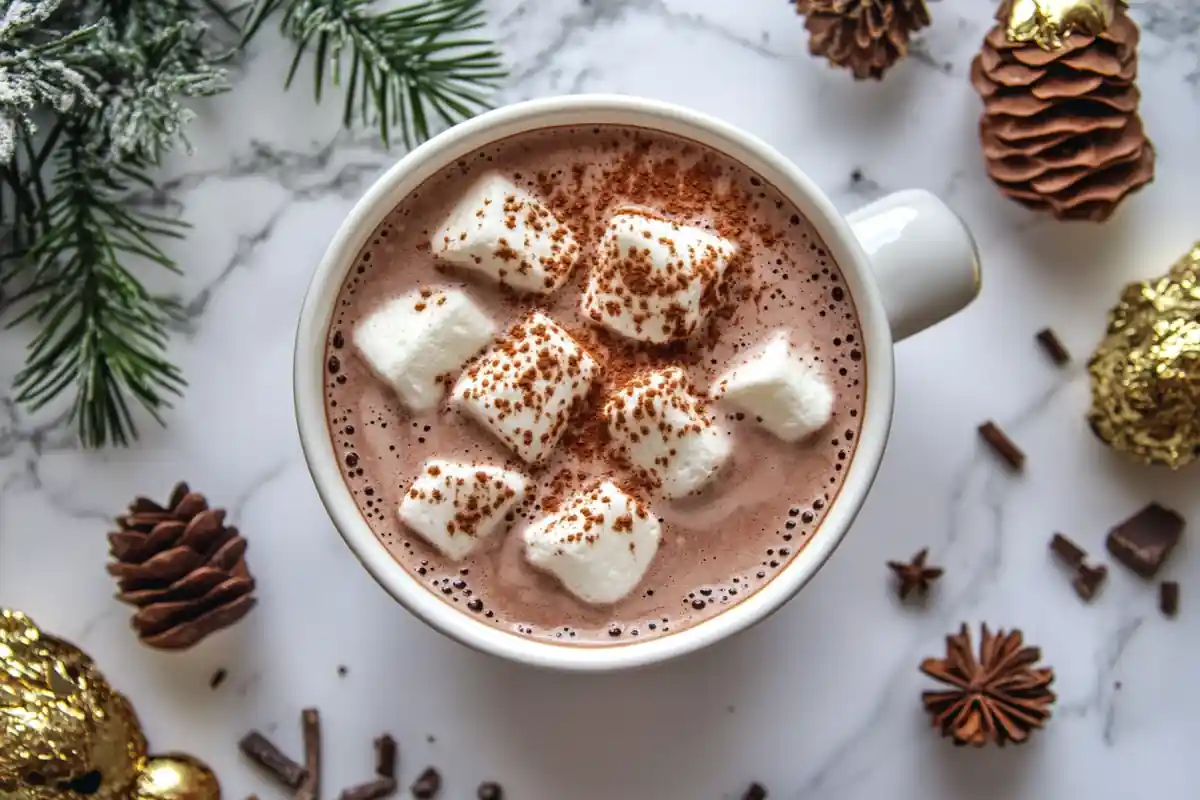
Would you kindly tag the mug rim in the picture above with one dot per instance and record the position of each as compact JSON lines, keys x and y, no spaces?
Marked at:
{"x":421,"y":163}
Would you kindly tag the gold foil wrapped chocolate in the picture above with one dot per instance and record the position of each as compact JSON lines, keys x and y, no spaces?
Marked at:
{"x":1146,"y":372}
{"x":66,"y":734}
{"x":1049,"y":22}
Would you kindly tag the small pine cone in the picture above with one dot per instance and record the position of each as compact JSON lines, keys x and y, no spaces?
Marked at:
{"x":1060,"y":129}
{"x":183,"y":569}
{"x":864,"y":36}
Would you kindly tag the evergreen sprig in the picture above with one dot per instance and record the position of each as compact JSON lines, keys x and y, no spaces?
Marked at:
{"x":39,"y":66}
{"x":101,"y":332}
{"x":110,"y":81}
{"x":408,"y":69}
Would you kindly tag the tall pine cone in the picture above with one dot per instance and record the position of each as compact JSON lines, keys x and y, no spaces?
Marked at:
{"x":1060,"y":129}
{"x":864,"y":36}
{"x":183,"y":569}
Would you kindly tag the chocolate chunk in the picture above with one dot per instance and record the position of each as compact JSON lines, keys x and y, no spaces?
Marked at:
{"x":1054,"y":347}
{"x":1088,"y":580}
{"x":1145,"y":541}
{"x":217,"y":678}
{"x":258,"y":749}
{"x":1071,"y":553}
{"x":1168,"y":598}
{"x":371,"y":790}
{"x":1002,"y":445}
{"x":489,"y":790}
{"x":756,"y":792}
{"x":385,"y":756}
{"x":427,"y":785}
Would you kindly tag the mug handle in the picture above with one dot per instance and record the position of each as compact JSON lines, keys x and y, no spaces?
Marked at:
{"x":924,"y":259}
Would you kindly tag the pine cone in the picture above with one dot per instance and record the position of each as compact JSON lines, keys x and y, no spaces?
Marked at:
{"x":998,"y":698}
{"x":1060,"y":129}
{"x":183,"y":569}
{"x":865,"y":36}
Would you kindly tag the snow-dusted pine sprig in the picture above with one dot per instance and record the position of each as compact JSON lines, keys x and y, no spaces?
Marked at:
{"x":39,"y":66}
{"x":76,"y":243}
{"x":110,"y":82}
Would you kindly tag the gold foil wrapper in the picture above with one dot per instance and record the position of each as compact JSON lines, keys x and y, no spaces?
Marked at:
{"x":1146,"y":372}
{"x":1049,"y":22}
{"x":65,"y":733}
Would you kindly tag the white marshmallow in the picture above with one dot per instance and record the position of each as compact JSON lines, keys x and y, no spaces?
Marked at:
{"x":599,"y":545}
{"x":412,"y":342}
{"x":653,"y":278}
{"x":508,"y":235}
{"x":456,"y":506}
{"x":525,"y":386}
{"x":667,"y":432}
{"x":788,"y":397}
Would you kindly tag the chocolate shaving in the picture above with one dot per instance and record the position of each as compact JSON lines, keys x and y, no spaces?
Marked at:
{"x":310,"y":788}
{"x":1054,"y":347}
{"x":427,"y":785}
{"x":1071,"y":553}
{"x":217,"y":678}
{"x":489,"y":790}
{"x":371,"y":790}
{"x":1168,"y":598}
{"x":1145,"y":541}
{"x":756,"y":792}
{"x":385,"y":756}
{"x":1002,"y":445}
{"x":258,"y":749}
{"x":1088,"y":580}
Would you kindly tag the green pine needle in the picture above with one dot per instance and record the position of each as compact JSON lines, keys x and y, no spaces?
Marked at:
{"x":102,"y":335}
{"x":407,"y":70}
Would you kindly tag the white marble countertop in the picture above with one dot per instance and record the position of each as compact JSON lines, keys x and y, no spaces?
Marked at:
{"x":820,"y":702}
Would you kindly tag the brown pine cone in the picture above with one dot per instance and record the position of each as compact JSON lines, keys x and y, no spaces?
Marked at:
{"x":1060,"y":129}
{"x":865,"y":36}
{"x":997,"y":696}
{"x":182,"y":567}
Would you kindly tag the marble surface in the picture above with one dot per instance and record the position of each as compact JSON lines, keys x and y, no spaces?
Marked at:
{"x":822,"y":701}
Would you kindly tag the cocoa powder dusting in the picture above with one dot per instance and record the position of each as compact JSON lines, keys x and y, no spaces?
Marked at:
{"x":726,"y":540}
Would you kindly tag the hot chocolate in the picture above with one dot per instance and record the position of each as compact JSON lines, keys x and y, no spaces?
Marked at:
{"x":590,"y":384}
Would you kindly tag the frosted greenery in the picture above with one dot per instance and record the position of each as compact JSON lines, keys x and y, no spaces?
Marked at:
{"x":94,"y":94}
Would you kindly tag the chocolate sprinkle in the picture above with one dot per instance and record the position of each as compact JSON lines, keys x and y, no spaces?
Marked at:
{"x":371,"y":790}
{"x":1054,"y":347}
{"x":217,"y":678}
{"x":1002,"y":445}
{"x":489,"y":790}
{"x":427,"y":785}
{"x":385,"y":756}
{"x":1168,"y":598}
{"x":258,"y":749}
{"x":1145,"y":541}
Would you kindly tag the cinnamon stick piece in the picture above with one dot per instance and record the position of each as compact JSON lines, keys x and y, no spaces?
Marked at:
{"x":310,"y":788}
{"x":371,"y":790}
{"x":258,"y":749}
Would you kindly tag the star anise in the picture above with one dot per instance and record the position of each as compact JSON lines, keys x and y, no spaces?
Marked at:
{"x":915,"y":575}
{"x":999,"y":697}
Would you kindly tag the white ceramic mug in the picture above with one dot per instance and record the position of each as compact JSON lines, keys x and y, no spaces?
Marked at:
{"x":907,"y":260}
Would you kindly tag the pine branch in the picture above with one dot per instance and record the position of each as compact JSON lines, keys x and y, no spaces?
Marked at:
{"x":409,"y":69}
{"x":102,"y":334}
{"x":39,"y":66}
